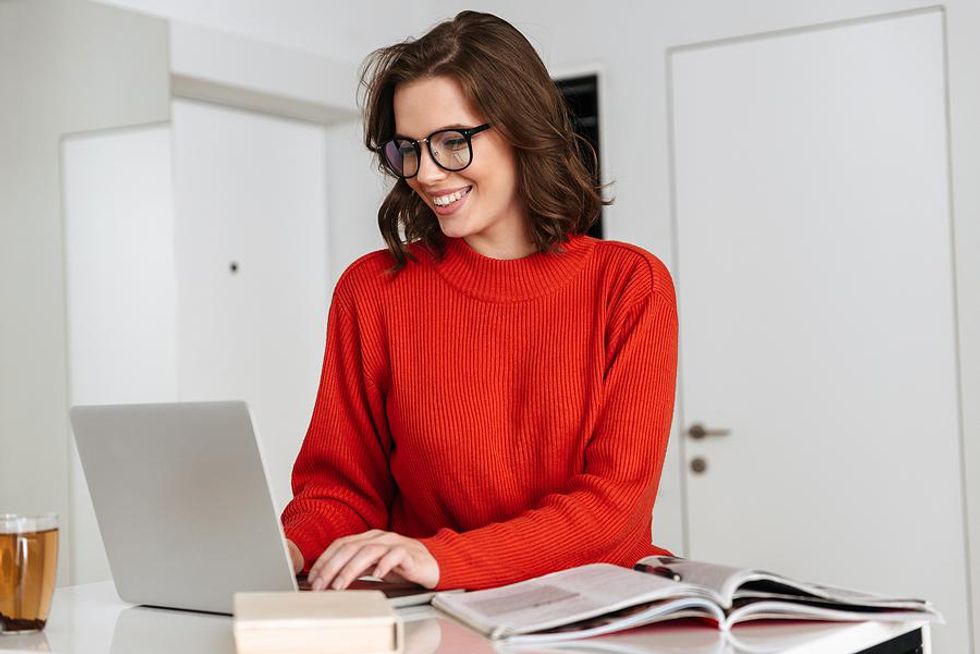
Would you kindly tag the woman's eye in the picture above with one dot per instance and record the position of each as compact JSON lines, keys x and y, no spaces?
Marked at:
{"x":456,"y":144}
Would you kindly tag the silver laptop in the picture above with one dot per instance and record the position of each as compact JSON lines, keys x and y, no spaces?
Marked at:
{"x":183,"y":503}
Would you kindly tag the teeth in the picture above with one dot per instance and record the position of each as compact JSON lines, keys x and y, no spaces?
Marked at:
{"x":444,"y":200}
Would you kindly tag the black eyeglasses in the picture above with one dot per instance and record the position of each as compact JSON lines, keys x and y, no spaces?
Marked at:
{"x":450,"y":149}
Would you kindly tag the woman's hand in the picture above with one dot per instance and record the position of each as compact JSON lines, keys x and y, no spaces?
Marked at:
{"x":382,"y":554}
{"x":295,"y":555}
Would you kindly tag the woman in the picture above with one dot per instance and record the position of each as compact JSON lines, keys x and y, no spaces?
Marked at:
{"x":497,"y":388}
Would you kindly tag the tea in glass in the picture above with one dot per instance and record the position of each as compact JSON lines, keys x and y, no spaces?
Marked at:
{"x":28,"y":563}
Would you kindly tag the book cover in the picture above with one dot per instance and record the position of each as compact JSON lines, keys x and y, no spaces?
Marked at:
{"x":354,"y":621}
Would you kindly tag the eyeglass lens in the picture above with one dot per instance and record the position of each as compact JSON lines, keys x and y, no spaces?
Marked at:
{"x":450,"y":149}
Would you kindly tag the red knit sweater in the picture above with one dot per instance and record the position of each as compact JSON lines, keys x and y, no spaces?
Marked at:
{"x":513,"y":415}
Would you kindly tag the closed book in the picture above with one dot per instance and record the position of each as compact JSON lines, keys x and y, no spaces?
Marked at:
{"x":329,"y":622}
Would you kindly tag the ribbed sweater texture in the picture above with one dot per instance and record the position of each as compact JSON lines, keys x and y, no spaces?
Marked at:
{"x":513,"y":415}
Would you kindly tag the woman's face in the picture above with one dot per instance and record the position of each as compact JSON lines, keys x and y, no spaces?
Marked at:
{"x":489,"y":215}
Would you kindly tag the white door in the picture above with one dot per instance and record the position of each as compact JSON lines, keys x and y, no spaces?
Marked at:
{"x":817,"y":308}
{"x":253,"y":288}
{"x":121,"y":288}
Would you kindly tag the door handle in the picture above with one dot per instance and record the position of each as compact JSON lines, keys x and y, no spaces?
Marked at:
{"x":698,"y":431}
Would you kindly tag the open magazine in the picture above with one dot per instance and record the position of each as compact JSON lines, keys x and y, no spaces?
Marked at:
{"x":600,"y":598}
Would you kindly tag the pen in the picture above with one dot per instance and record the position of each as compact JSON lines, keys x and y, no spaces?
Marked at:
{"x":659,"y":570}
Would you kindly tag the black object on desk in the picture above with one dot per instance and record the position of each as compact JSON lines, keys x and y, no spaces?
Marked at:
{"x":909,"y":643}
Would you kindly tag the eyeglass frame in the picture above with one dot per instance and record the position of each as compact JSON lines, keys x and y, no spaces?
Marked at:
{"x":467,"y":132}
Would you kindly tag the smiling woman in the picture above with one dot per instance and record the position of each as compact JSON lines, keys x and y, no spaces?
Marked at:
{"x":472,"y":71}
{"x":497,"y":387}
{"x":474,"y":192}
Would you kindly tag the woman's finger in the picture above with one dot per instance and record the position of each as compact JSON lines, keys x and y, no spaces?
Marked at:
{"x":385,"y":565}
{"x":366,"y":558}
{"x":343,"y":540}
{"x":328,"y":554}
{"x":332,"y":563}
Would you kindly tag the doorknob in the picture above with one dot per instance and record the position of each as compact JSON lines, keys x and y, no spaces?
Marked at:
{"x":697,"y":431}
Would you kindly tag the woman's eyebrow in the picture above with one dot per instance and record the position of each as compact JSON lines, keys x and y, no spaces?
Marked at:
{"x":399,"y":135}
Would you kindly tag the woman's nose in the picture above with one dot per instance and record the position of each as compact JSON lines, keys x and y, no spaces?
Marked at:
{"x":428,"y":170}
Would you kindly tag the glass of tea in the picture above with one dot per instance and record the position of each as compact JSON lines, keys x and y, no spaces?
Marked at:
{"x":28,"y":562}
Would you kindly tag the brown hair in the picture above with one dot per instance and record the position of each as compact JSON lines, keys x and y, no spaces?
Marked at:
{"x":504,"y":78}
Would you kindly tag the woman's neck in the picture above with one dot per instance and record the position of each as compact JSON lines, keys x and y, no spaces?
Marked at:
{"x":496,"y":249}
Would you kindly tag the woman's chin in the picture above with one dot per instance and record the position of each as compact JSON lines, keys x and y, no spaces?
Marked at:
{"x":452,"y":228}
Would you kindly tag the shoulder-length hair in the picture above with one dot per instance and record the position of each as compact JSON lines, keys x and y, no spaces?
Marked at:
{"x":504,"y":78}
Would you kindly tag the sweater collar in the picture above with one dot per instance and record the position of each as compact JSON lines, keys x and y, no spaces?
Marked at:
{"x":508,"y":280}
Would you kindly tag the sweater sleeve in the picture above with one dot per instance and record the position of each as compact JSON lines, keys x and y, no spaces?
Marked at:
{"x":341,"y":480}
{"x":606,"y":509}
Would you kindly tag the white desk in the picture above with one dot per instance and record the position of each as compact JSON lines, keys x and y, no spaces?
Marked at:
{"x":91,"y":619}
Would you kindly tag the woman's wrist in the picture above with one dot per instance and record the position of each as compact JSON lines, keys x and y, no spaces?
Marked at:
{"x":295,"y":556}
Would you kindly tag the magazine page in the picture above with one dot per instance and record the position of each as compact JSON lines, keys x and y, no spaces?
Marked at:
{"x":731,"y":584}
{"x":720,"y":580}
{"x":758,"y":581}
{"x":635,"y":616}
{"x":560,"y":598}
{"x":770,"y":610}
{"x":766,"y":588}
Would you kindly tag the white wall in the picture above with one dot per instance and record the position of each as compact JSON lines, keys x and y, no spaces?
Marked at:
{"x":212,"y":65}
{"x":338,"y":31}
{"x":65,"y":67}
{"x":354,"y":192}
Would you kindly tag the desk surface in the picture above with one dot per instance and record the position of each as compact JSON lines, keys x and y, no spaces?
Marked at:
{"x":92,"y":619}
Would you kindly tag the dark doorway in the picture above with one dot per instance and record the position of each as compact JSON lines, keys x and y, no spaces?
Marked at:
{"x":582,"y":95}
